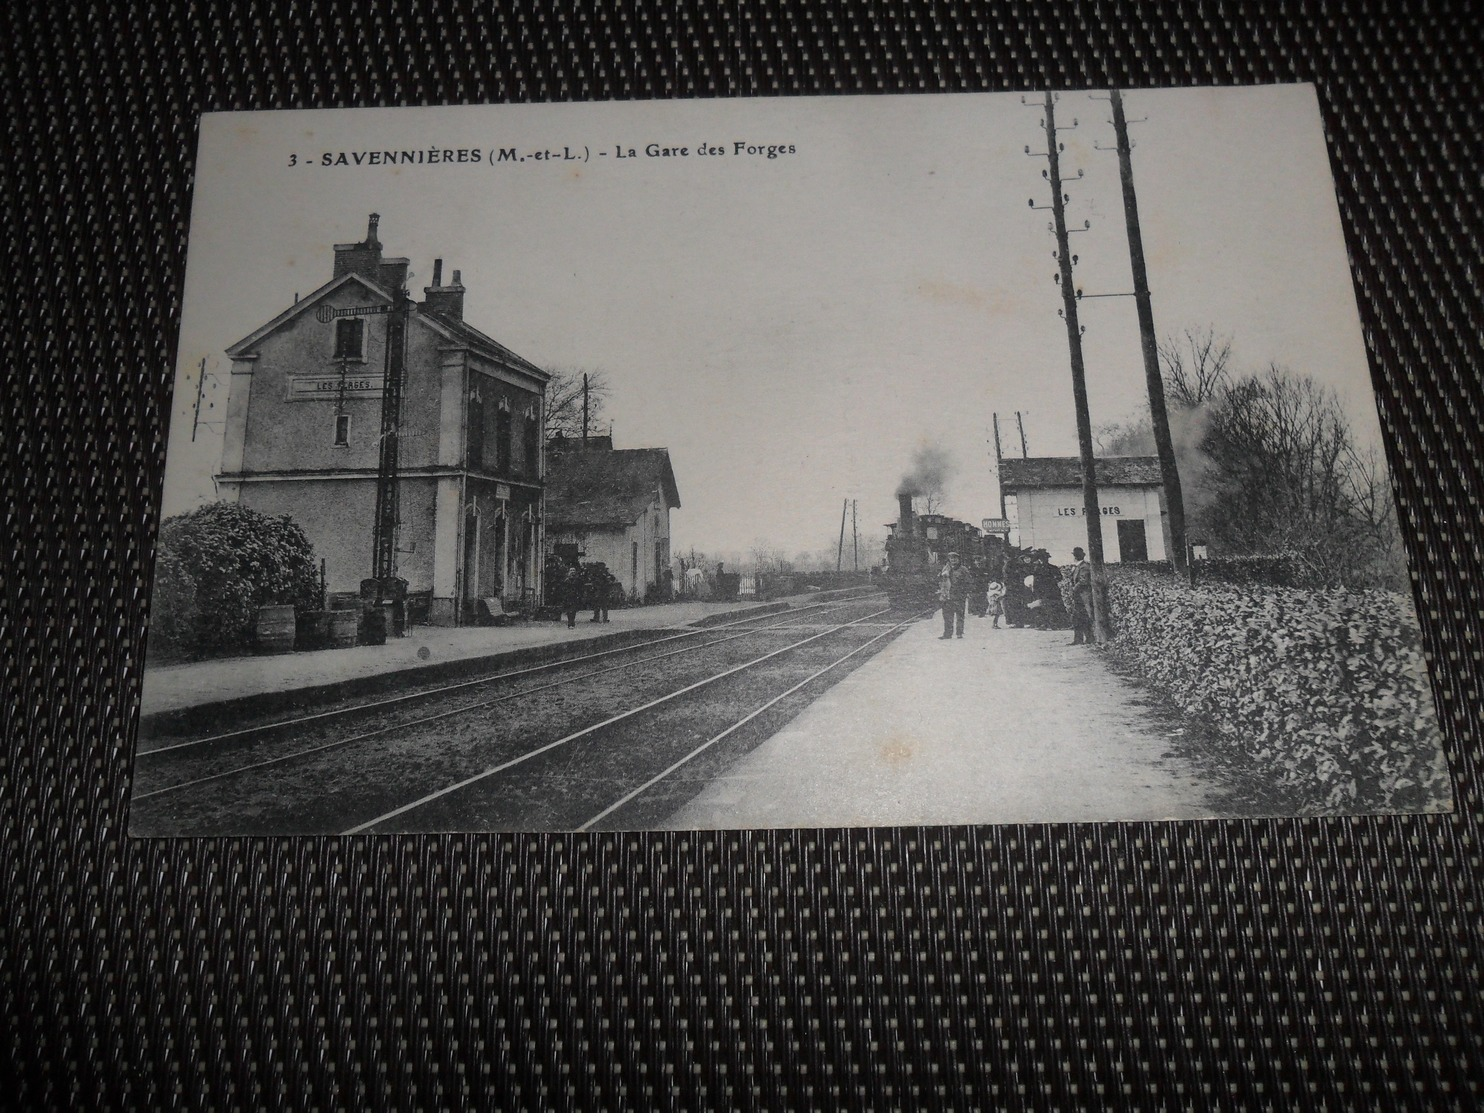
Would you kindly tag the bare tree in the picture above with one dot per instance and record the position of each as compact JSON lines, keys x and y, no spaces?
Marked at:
{"x":1197,"y":366}
{"x":1269,"y":464}
{"x":564,"y":404}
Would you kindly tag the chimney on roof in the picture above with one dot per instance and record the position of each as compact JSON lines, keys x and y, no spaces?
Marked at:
{"x":447,"y":301}
{"x":361,"y":257}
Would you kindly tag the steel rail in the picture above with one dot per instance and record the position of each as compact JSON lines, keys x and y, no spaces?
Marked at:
{"x":569,"y":738}
{"x":448,"y":688}
{"x":725,"y":733}
{"x":212,"y":777}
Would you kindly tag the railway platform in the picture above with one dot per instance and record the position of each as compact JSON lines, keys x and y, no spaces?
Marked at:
{"x":174,"y":690}
{"x":1004,"y":726}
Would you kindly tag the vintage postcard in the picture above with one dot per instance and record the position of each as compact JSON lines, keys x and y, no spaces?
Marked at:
{"x":849,"y":461}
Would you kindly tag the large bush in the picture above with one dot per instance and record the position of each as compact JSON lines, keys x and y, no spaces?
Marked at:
{"x":1325,"y":689}
{"x":216,"y":566}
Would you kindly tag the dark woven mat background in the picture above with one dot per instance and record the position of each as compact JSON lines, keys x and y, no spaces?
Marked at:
{"x":1265,"y":963}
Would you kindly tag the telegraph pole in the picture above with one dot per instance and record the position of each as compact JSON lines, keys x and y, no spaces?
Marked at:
{"x":1159,"y":417}
{"x":584,"y":411}
{"x":384,"y":530}
{"x":384,"y":553}
{"x":855,"y":540}
{"x":200,"y":389}
{"x":840,"y":554}
{"x":1102,"y":632}
{"x":1019,"y":423}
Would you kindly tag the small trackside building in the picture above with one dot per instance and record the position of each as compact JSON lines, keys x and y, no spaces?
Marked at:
{"x":1043,"y":497}
{"x":613,"y":506}
{"x":303,"y":429}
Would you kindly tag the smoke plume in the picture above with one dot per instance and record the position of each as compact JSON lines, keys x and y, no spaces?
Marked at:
{"x":929,"y":473}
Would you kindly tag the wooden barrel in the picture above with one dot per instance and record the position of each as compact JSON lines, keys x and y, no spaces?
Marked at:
{"x":276,"y":629}
{"x":343,"y":626}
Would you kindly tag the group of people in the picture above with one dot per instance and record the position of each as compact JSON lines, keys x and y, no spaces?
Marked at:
{"x":1034,"y":600}
{"x":589,"y":585}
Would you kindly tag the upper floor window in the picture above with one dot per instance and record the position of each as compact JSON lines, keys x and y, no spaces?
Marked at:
{"x":533,"y":443}
{"x":502,"y":438}
{"x":476,"y":429}
{"x":350,"y":338}
{"x":342,"y":430}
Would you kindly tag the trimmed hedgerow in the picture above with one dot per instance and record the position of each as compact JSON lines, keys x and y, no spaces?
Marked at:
{"x":1325,"y":689}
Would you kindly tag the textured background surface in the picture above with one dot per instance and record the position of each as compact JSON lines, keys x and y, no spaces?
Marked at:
{"x":1316,"y":963}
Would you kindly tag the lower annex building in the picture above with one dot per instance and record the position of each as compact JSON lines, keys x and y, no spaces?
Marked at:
{"x":1043,"y":499}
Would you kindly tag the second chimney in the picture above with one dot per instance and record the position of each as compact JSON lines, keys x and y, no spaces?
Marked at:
{"x":447,"y":301}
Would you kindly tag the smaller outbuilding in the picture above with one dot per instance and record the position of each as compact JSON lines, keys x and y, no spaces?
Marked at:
{"x":612,"y":506}
{"x":1043,"y":498}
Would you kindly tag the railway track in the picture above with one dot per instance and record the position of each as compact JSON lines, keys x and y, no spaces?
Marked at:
{"x":617,"y":737}
{"x":211,"y":776}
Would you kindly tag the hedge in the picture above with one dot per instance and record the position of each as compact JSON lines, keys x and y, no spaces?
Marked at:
{"x":1325,"y":689}
{"x":216,"y":566}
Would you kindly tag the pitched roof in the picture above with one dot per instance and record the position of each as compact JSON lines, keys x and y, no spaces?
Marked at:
{"x":454,"y":329}
{"x":303,"y":306}
{"x":1059,"y":473}
{"x":482,"y":342}
{"x":606,"y":488}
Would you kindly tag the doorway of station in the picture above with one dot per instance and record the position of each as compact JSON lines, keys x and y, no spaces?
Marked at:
{"x":1132,"y":544}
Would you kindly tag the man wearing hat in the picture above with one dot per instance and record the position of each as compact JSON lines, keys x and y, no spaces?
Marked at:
{"x":1081,"y":609}
{"x":954,"y":584}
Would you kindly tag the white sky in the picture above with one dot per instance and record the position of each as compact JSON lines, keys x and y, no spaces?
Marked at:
{"x":793,"y":328}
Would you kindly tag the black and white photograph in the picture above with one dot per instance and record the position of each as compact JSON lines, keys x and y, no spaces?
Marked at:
{"x":801,"y":462}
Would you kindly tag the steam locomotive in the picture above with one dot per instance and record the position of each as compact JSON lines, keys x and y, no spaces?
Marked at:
{"x":917,"y":549}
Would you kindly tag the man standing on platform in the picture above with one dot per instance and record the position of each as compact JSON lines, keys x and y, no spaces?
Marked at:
{"x":954,"y":584}
{"x":1081,"y":609}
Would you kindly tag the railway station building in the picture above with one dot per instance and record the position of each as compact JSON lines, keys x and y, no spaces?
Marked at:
{"x":613,"y":506}
{"x":1043,"y":498}
{"x":303,"y":426}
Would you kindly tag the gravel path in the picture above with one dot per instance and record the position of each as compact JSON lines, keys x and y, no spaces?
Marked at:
{"x":1003,"y":726}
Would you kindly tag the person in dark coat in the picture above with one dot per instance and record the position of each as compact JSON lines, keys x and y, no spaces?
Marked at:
{"x":954,"y":585}
{"x":572,"y":590}
{"x":1013,"y":579}
{"x":1081,"y":598}
{"x":600,"y":585}
{"x":1046,"y":589}
{"x":979,"y":593}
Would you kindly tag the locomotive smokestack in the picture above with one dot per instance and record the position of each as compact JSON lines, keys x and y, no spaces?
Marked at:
{"x":905,"y":526}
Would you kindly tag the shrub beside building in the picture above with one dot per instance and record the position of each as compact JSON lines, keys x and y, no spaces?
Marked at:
{"x":217,"y":566}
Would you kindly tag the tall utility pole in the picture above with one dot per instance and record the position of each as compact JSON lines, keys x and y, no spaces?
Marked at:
{"x":200,"y":389}
{"x":584,"y":411}
{"x":1159,"y":417}
{"x":855,"y":540}
{"x":384,"y":549}
{"x":1020,"y":424}
{"x":840,"y":554}
{"x":1091,"y":512}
